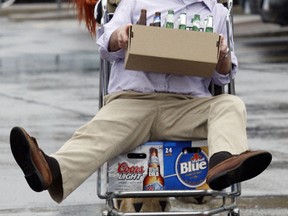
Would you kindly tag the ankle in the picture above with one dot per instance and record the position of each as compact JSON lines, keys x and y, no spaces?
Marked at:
{"x":54,"y":168}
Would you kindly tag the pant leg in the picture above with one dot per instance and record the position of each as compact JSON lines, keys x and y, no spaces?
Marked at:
{"x":124,"y":124}
{"x":220,"y":119}
{"x":227,"y":125}
{"x":118,"y":126}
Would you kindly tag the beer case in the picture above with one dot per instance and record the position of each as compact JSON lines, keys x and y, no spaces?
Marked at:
{"x":172,"y":51}
{"x":183,"y":165}
{"x":127,"y":171}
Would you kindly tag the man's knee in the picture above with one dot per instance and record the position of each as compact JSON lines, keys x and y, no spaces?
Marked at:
{"x":237,"y":103}
{"x":231,"y":103}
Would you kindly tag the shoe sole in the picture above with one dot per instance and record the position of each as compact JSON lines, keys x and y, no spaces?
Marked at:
{"x":21,"y":151}
{"x":248,"y":169}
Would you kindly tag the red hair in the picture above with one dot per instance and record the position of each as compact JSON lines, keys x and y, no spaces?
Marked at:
{"x":85,"y":12}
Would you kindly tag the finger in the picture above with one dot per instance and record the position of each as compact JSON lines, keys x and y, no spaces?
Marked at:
{"x":123,"y":41}
{"x":222,"y":41}
{"x":124,"y":36}
{"x":127,"y":27}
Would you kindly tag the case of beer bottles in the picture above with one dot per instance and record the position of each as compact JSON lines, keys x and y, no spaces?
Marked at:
{"x":172,"y":51}
{"x":185,"y":165}
{"x":167,"y":165}
{"x":165,"y":49}
{"x":137,"y":170}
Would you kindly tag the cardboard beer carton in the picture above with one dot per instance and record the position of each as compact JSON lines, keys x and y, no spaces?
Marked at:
{"x":127,"y":171}
{"x":183,"y":164}
{"x":172,"y":51}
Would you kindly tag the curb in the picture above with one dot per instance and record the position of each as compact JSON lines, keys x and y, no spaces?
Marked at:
{"x":32,"y":8}
{"x":242,"y":19}
{"x":43,"y":11}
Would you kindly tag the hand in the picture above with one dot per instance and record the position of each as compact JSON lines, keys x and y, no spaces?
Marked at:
{"x":224,"y":62}
{"x":224,"y":49}
{"x":119,"y":38}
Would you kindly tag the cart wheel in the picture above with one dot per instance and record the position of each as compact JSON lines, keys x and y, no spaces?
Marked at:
{"x":234,"y":212}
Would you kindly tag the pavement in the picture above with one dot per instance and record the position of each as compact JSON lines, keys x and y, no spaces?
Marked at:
{"x":56,"y":91}
{"x":41,"y":11}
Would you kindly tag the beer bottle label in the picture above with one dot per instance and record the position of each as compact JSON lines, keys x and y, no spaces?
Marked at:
{"x":157,"y":19}
{"x":153,"y":171}
{"x":209,"y":24}
{"x":153,"y":186}
{"x":191,"y":168}
{"x":182,"y":23}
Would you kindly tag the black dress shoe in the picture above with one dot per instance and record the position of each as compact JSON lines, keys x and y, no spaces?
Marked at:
{"x":31,"y":159}
{"x":238,"y":168}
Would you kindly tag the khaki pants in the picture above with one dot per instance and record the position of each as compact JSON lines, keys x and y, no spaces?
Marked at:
{"x":130,"y":119}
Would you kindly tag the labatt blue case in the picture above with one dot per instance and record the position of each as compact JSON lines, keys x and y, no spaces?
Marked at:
{"x":185,"y":165}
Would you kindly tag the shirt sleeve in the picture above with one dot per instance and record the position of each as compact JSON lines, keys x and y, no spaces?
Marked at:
{"x":221,"y":79}
{"x":122,"y":16}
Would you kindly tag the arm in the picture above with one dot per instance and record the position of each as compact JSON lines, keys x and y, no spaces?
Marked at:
{"x":109,"y":48}
{"x":224,"y":64}
{"x":226,"y":67}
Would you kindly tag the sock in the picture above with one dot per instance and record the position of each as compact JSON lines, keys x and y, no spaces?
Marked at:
{"x":54,"y":168}
{"x":56,"y":188}
{"x":218,"y":158}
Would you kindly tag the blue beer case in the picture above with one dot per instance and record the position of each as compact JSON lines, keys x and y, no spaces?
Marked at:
{"x":183,"y":165}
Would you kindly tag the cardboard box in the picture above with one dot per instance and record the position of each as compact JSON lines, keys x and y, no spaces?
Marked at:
{"x":127,"y":171}
{"x":183,"y":165}
{"x":172,"y":51}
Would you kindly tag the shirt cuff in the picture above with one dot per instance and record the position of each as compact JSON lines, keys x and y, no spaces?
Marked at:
{"x":221,"y":79}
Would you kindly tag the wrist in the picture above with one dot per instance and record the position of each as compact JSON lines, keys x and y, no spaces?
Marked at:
{"x":224,"y":54}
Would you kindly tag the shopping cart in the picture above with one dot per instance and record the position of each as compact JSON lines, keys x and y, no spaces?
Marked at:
{"x":227,"y":197}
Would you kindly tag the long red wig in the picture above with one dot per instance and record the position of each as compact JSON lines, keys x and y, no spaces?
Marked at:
{"x":85,"y":12}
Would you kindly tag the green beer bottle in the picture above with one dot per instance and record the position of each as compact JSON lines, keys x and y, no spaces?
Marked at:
{"x":209,"y":24}
{"x":196,"y":23}
{"x":170,"y":19}
{"x":182,"y":21}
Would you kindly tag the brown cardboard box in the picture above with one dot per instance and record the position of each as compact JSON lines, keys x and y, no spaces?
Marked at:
{"x":172,"y":51}
{"x":126,"y":173}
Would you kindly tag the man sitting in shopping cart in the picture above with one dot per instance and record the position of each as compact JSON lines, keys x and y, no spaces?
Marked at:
{"x":142,"y":106}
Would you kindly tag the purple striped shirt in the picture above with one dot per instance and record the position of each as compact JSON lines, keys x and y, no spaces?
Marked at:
{"x":128,"y":11}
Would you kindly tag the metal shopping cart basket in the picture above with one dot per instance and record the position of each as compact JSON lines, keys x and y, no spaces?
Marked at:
{"x":226,"y":197}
